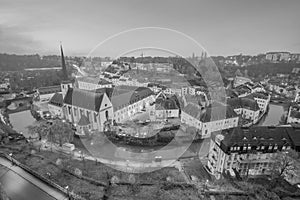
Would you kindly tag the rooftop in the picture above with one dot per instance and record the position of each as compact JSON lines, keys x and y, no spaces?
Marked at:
{"x":49,"y":90}
{"x":256,"y":135}
{"x":94,"y":80}
{"x":57,"y":100}
{"x":84,"y":99}
{"x":247,"y":103}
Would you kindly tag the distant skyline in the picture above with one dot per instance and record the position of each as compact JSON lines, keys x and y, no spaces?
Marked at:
{"x":222,"y":27}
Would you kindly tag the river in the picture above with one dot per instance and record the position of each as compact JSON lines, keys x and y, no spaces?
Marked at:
{"x":21,"y":120}
{"x":273,"y":117}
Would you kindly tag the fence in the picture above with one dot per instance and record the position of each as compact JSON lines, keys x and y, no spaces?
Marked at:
{"x":42,"y":178}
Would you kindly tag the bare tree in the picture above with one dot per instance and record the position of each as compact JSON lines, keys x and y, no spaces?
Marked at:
{"x":56,"y":131}
{"x":285,"y":165}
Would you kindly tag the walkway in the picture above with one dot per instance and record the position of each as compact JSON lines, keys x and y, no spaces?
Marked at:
{"x":20,"y":185}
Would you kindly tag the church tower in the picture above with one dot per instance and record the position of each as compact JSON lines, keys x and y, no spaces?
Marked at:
{"x":65,"y":83}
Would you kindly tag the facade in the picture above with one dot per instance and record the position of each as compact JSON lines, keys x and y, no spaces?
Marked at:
{"x":166,"y":108}
{"x":295,"y":57}
{"x":91,"y":83}
{"x":95,"y":106}
{"x":127,"y":101}
{"x":278,"y":56}
{"x":262,"y":99}
{"x":208,"y":120}
{"x":247,"y":151}
{"x":247,"y":108}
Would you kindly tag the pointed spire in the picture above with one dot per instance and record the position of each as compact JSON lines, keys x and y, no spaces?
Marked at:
{"x":63,"y":64}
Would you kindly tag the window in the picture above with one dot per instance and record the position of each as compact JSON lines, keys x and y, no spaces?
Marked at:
{"x":270,"y":147}
{"x":95,"y":117}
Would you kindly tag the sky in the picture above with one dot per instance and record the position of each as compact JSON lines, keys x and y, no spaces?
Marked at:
{"x":221,"y":27}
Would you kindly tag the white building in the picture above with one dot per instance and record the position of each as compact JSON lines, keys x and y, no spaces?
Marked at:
{"x":247,"y":108}
{"x":207,"y":120}
{"x":262,"y":99}
{"x":278,"y":56}
{"x":247,"y":151}
{"x":127,"y":101}
{"x":166,"y":107}
{"x":95,"y":106}
{"x":91,"y":83}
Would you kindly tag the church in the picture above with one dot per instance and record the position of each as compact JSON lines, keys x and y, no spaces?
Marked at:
{"x":94,"y":109}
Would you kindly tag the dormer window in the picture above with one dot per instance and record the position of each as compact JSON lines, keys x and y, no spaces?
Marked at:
{"x":270,"y":147}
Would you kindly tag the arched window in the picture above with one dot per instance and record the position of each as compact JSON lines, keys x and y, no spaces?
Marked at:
{"x":106,"y":114}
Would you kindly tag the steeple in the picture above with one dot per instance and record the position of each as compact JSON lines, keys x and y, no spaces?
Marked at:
{"x":65,"y":83}
{"x":63,"y":64}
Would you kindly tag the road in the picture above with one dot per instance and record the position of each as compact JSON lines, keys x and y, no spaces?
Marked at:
{"x":20,"y":185}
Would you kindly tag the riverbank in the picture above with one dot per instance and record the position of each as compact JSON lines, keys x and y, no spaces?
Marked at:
{"x":273,"y":116}
{"x":15,"y":176}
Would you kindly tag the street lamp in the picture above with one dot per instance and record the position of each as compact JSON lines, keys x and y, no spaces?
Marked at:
{"x":68,"y":192}
{"x":11,"y":158}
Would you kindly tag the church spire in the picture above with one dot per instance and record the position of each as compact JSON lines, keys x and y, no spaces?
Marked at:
{"x":63,"y":64}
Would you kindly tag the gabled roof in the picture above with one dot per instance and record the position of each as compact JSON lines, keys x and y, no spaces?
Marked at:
{"x":193,"y":110}
{"x":89,"y":100}
{"x":260,"y":95}
{"x":84,"y":121}
{"x":247,"y":103}
{"x":57,"y":100}
{"x":123,"y":96}
{"x":217,"y":111}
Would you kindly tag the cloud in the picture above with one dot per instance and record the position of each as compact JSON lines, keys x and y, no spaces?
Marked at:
{"x":14,"y":40}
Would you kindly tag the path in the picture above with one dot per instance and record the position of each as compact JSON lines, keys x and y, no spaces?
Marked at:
{"x":20,"y":185}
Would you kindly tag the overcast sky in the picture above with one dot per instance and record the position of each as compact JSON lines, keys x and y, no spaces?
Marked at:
{"x":222,"y":27}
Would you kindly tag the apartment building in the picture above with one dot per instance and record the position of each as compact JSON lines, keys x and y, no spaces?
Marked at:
{"x":248,"y":151}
